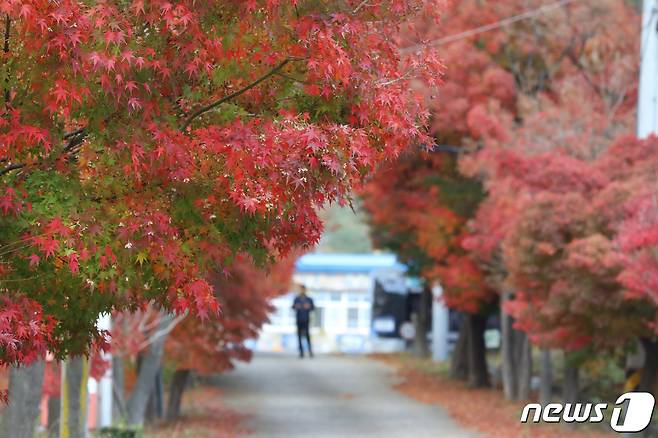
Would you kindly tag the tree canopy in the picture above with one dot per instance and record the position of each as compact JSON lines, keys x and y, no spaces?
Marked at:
{"x":145,"y":144}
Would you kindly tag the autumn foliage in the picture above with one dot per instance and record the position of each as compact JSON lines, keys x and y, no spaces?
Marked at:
{"x":540,"y":113}
{"x":145,"y":144}
{"x":244,"y":296}
{"x":158,"y":157}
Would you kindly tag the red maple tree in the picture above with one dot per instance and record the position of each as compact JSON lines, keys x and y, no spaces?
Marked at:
{"x":146,"y":143}
{"x":212,"y":346}
{"x":518,"y":103}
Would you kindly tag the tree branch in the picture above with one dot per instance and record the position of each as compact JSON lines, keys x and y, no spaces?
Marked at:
{"x":6,"y":51}
{"x":241,"y":91}
{"x":11,"y":167}
{"x":164,"y":331}
{"x":74,"y":138}
{"x":449,"y":149}
{"x":74,"y":133}
{"x":362,"y":4}
{"x":290,"y":78}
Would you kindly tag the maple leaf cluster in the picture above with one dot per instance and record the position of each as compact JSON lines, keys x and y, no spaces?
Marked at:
{"x":244,"y":296}
{"x":144,"y":145}
{"x":25,"y":331}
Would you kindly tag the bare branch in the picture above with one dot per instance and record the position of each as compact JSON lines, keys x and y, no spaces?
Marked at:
{"x":75,"y":139}
{"x":6,"y":52}
{"x":163,"y":332}
{"x":451,"y":149}
{"x":358,"y":8}
{"x":283,"y":75}
{"x":11,"y":167}
{"x":74,"y":133}
{"x":392,"y":81}
{"x":241,"y":91}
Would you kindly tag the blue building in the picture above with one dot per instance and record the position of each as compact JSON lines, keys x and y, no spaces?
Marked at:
{"x":341,"y":286}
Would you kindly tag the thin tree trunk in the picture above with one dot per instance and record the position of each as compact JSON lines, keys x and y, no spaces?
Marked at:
{"x":508,"y":338}
{"x":650,"y":368}
{"x":545,"y":377}
{"x":648,"y":378}
{"x":149,"y":412}
{"x":25,"y":385}
{"x":424,"y":317}
{"x":53,"y":416}
{"x":136,"y":406}
{"x":76,"y":374}
{"x":571,"y":385}
{"x":459,"y":359}
{"x":516,"y":356}
{"x":118,"y":388}
{"x":154,"y":406}
{"x":176,"y":389}
{"x":478,"y":372}
{"x":524,"y":372}
{"x":159,"y":394}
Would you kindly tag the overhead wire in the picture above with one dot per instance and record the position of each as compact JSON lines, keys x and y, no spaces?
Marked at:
{"x":490,"y":26}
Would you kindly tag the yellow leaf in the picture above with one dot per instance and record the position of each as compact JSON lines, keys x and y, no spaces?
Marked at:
{"x":141,"y":257}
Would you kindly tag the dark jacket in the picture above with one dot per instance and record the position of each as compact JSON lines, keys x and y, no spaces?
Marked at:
{"x":303,"y":305}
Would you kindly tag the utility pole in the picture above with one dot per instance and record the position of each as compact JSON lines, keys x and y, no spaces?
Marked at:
{"x":440,"y":325}
{"x":647,"y":110}
{"x":105,"y":384}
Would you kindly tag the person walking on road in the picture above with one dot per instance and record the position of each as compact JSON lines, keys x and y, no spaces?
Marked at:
{"x":303,"y":305}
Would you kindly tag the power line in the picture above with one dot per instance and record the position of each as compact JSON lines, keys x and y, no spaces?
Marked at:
{"x":491,"y":26}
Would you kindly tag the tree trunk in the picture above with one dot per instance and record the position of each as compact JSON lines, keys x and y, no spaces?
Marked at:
{"x":478,"y":372}
{"x":650,"y":368}
{"x":422,"y":322}
{"x":516,"y":356}
{"x":149,"y":411}
{"x":571,"y":386}
{"x":459,"y":359}
{"x":25,"y":385}
{"x":154,"y":406}
{"x":176,"y":388}
{"x":53,"y":416}
{"x":74,"y":397}
{"x":508,"y":338}
{"x":118,"y":388}
{"x":524,"y":355}
{"x":545,"y":377}
{"x":136,"y":406}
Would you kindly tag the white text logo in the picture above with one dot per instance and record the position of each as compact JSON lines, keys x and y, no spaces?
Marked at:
{"x":637,"y":417}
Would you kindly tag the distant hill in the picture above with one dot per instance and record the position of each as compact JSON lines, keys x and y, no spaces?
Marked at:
{"x":345,"y":231}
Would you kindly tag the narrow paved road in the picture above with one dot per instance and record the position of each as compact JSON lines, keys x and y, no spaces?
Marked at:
{"x":329,"y":396}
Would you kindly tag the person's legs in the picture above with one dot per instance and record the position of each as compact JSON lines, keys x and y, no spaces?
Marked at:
{"x":308,"y":340}
{"x":300,"y":333}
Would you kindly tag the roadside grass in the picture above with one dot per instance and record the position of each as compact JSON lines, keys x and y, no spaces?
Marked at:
{"x":484,"y":410}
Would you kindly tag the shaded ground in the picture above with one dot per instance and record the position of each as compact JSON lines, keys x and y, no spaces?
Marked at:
{"x":484,"y":410}
{"x":204,"y":415}
{"x":329,"y":396}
